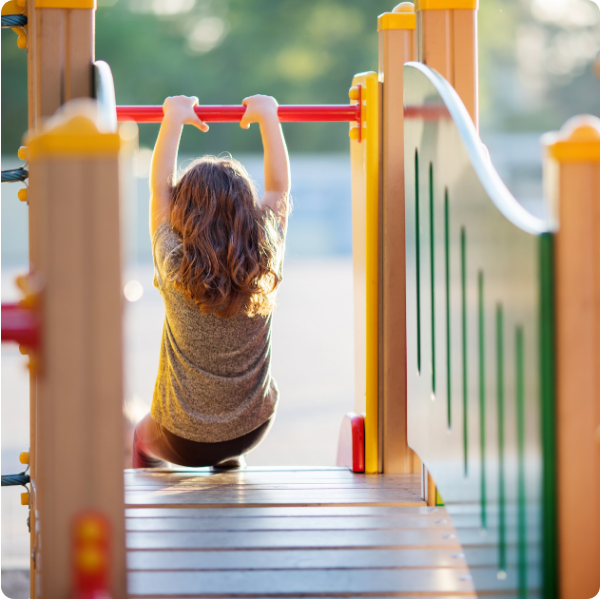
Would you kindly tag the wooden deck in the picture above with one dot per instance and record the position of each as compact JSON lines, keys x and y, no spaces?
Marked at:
{"x":280,"y":533}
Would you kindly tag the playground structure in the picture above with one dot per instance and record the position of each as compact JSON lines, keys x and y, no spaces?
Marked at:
{"x":477,"y":344}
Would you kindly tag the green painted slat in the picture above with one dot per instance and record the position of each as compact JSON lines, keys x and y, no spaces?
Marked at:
{"x":548,"y":416}
{"x":501,"y":453}
{"x":465,"y":381}
{"x":521,"y":495}
{"x":447,"y":282}
{"x":482,"y":380}
{"x":418,"y":254}
{"x":432,"y":276}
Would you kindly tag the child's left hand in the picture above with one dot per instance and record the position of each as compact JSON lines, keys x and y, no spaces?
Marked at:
{"x":181,"y":110}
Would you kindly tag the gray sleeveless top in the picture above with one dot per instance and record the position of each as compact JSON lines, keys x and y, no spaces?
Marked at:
{"x":214,"y":376}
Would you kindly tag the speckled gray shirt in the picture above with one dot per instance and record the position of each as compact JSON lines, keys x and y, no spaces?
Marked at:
{"x":214,"y":376}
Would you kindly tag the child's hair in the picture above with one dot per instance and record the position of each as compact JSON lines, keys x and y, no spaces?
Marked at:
{"x":231,"y":246}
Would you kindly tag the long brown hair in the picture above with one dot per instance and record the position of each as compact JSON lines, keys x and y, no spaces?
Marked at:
{"x":231,"y":247}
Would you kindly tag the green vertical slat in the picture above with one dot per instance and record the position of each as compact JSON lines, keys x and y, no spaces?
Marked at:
{"x":548,"y":417}
{"x":418,"y":260}
{"x":432,"y":276}
{"x":521,"y":491}
{"x":447,"y":265}
{"x":483,"y":499}
{"x":463,"y":277}
{"x":500,"y":393}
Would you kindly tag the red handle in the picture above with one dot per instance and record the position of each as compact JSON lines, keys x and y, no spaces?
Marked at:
{"x":290,"y":113}
{"x":20,"y":325}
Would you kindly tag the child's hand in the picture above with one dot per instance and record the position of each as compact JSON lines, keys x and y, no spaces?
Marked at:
{"x":181,"y":110}
{"x":259,"y":109}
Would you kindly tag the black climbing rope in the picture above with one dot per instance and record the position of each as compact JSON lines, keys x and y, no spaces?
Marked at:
{"x":18,"y":479}
{"x":13,"y":21}
{"x":14,"y":175}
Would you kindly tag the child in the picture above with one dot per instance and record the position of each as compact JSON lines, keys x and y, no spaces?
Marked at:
{"x":217,"y":253}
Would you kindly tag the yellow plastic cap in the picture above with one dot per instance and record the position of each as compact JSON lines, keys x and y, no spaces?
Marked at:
{"x":25,"y":499}
{"x":577,"y":141}
{"x":24,"y":458}
{"x":85,"y":4}
{"x":402,"y":17}
{"x":354,"y":132}
{"x":75,"y":132}
{"x":446,"y":4}
{"x":22,"y":194}
{"x":22,"y":153}
{"x":12,"y":7}
{"x":353,"y":93}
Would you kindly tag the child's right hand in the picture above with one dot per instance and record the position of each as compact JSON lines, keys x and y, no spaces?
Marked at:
{"x":259,"y":109}
{"x":180,"y":109}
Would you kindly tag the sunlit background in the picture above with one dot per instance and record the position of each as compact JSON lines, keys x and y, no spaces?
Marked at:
{"x":536,"y":69}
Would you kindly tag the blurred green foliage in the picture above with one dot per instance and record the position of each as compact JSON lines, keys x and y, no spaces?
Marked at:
{"x":298,"y":51}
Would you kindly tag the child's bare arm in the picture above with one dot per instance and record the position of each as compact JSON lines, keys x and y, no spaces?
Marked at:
{"x":179,"y":111}
{"x":263,"y":110}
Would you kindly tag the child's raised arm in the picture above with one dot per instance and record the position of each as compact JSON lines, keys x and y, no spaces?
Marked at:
{"x":263,"y":110}
{"x":179,"y":111}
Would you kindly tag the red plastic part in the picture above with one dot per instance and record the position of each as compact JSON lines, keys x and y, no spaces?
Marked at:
{"x":291,"y":113}
{"x":91,"y":555}
{"x":351,"y":445}
{"x":20,"y":325}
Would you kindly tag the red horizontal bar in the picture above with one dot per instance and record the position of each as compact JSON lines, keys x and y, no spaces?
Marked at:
{"x":20,"y":325}
{"x":291,"y":113}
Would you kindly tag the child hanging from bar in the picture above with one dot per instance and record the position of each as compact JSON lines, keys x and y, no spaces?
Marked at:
{"x":218,"y":252}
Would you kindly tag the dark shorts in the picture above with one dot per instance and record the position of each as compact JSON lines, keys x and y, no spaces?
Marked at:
{"x":153,"y":445}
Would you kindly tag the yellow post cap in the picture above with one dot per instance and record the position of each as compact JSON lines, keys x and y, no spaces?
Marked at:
{"x":22,"y":153}
{"x":354,"y":132}
{"x":402,"y":17}
{"x":22,"y":194}
{"x":577,"y":141}
{"x":25,"y":499}
{"x":446,"y":4}
{"x":89,"y":4}
{"x":75,"y":131}
{"x":353,"y":92}
{"x":12,"y":7}
{"x":24,"y":458}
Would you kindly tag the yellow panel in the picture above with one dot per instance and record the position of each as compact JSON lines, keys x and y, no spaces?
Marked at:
{"x":88,"y":4}
{"x":396,"y":21}
{"x":446,"y":4}
{"x":365,"y":215}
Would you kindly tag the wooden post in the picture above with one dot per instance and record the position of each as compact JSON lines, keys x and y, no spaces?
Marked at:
{"x":573,"y":171}
{"x":397,"y":45}
{"x":447,"y":42}
{"x":60,"y":53}
{"x":75,"y":191}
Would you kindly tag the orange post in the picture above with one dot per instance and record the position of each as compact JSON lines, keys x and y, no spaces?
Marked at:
{"x":447,"y":42}
{"x":573,"y":178}
{"x":397,"y":45}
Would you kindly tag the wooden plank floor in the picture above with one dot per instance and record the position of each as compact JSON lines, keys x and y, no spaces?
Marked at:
{"x":287,"y":533}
